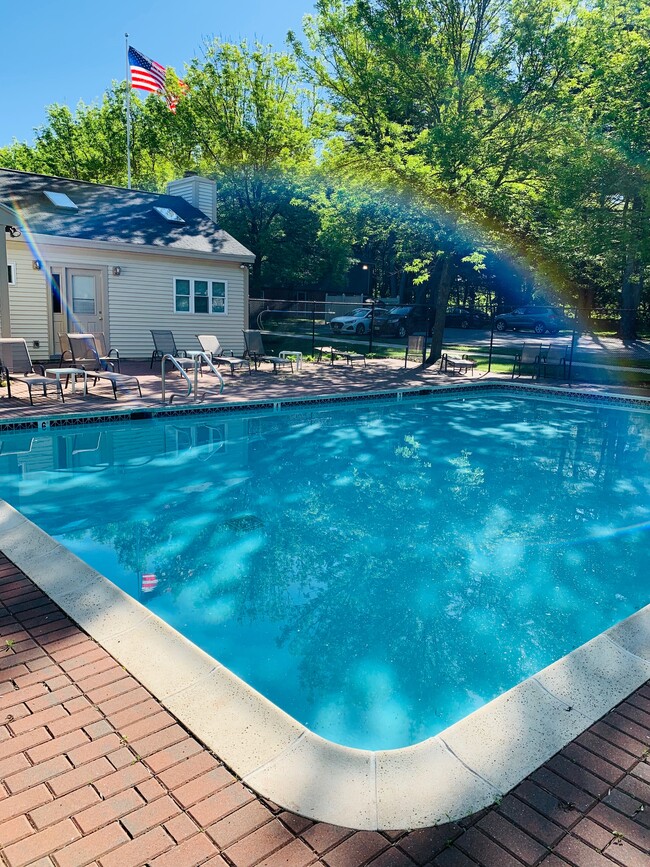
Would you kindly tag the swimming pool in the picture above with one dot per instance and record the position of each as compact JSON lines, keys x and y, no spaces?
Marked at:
{"x":377,"y":571}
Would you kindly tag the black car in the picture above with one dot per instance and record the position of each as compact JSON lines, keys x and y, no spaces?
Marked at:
{"x":463,"y":317}
{"x":404,"y":320}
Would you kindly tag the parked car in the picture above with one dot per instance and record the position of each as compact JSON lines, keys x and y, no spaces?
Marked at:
{"x":356,"y":322}
{"x":537,"y":319}
{"x":463,"y":317}
{"x":401,"y":321}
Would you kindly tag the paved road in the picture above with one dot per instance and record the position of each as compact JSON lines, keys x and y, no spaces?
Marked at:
{"x":587,"y":344}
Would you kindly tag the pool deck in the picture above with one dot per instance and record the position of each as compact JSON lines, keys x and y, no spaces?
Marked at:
{"x":314,"y":380}
{"x":94,"y":771}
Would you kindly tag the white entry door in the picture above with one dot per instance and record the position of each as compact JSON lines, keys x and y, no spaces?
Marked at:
{"x":85,"y":300}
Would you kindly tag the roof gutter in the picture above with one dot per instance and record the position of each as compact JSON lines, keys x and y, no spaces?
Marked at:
{"x":110,"y":246}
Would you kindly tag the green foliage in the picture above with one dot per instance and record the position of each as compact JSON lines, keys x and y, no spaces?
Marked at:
{"x":429,"y":137}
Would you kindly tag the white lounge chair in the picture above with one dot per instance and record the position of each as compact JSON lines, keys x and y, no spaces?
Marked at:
{"x":214,"y":350}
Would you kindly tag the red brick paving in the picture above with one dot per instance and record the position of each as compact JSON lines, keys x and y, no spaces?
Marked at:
{"x":383,"y":374}
{"x":95,"y":773}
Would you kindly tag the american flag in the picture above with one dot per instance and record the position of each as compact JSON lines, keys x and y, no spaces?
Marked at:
{"x":149,"y":583}
{"x":146,"y":74}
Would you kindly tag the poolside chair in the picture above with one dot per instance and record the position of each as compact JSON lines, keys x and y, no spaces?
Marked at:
{"x":66,"y":355}
{"x":528,"y":356}
{"x":457,"y":364}
{"x":414,"y":348}
{"x":87,"y":359}
{"x":84,"y":348}
{"x":16,"y":366}
{"x":165,"y":344}
{"x":333,"y":353}
{"x":555,"y":357}
{"x":255,"y":351}
{"x":209,"y":343}
{"x":106,"y":353}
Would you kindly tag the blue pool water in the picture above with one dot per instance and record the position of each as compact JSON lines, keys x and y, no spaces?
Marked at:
{"x":378,"y":571}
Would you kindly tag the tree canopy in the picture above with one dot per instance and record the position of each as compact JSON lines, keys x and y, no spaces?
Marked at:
{"x":433,"y":138}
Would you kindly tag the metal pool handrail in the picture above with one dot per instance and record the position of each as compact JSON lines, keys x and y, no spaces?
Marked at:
{"x":178,"y":367}
{"x":204,"y":357}
{"x":198,"y":359}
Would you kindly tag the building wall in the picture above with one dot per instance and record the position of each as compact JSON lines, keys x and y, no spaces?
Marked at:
{"x":140,"y":298}
{"x":28,"y":302}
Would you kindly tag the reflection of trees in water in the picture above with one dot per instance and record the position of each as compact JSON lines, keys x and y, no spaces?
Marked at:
{"x":323,"y":568}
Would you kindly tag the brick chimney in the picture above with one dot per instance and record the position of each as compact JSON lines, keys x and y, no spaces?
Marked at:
{"x":198,"y":191}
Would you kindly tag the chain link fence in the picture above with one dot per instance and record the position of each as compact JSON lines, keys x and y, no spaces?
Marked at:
{"x":494,"y":338}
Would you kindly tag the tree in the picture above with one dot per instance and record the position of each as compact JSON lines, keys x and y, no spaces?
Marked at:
{"x":453,"y":100}
{"x":256,"y":131}
{"x":89,"y":144}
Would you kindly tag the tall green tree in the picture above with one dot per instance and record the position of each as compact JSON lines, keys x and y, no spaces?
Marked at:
{"x":454,"y":100}
{"x":256,"y":131}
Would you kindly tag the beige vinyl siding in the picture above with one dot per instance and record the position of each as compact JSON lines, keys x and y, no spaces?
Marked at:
{"x":28,"y":300}
{"x":200,"y":192}
{"x":183,"y":187}
{"x":142,"y":297}
{"x":206,"y":201}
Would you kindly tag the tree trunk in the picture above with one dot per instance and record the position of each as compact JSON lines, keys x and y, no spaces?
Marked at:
{"x":630,"y":297}
{"x":630,"y":288}
{"x":444,"y":287}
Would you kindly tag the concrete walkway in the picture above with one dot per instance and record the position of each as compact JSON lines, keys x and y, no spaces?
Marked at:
{"x":94,"y":771}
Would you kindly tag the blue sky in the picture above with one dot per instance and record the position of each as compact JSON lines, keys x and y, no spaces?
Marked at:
{"x":72,"y":49}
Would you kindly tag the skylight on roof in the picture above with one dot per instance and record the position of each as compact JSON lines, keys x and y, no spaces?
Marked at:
{"x":61,"y":200}
{"x":168,"y":214}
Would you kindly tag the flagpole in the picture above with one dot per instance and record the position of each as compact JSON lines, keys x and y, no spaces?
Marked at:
{"x":128,"y":114}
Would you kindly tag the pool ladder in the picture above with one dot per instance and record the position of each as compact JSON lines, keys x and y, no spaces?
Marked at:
{"x":199,"y":359}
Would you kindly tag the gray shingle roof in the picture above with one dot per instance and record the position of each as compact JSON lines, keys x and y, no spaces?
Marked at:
{"x":114,"y":215}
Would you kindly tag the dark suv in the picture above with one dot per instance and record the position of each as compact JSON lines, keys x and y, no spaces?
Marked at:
{"x":537,"y":319}
{"x":463,"y":317}
{"x":401,"y":321}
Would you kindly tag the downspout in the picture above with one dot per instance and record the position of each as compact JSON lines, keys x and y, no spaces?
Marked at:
{"x":5,"y":311}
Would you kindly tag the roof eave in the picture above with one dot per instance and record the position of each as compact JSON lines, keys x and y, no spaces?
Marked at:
{"x":110,"y":246}
{"x":8,"y":217}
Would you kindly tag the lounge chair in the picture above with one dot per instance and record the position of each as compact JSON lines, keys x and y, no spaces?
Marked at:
{"x":84,"y":348}
{"x":165,"y":344}
{"x":109,"y":359}
{"x":528,"y":356}
{"x":555,"y":357}
{"x":335,"y":353}
{"x":414,"y":348}
{"x":16,"y":366}
{"x":66,"y":355}
{"x":209,"y":343}
{"x":107,"y":353}
{"x":458,"y":364}
{"x":255,"y":351}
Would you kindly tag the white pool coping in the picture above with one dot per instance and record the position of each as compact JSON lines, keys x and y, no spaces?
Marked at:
{"x":463,"y":769}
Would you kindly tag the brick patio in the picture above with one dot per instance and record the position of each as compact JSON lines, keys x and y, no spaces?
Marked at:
{"x":313,"y":380}
{"x":94,"y":771}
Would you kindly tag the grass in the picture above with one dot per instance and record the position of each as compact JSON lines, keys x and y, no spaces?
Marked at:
{"x":502,"y":358}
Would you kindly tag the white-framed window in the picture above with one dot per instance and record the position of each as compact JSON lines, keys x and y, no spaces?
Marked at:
{"x":11,"y":273}
{"x":194,"y":295}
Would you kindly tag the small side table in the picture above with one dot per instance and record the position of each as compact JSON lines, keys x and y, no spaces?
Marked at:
{"x":290,"y":353}
{"x":72,"y":373}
